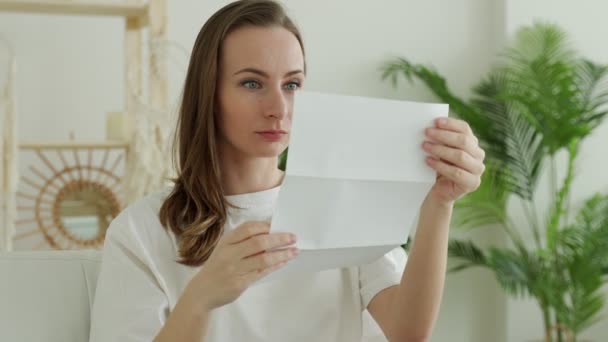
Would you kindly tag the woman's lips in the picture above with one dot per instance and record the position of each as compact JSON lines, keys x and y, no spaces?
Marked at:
{"x":272,"y":135}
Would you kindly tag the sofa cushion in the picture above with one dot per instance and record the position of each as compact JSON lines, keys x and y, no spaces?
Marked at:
{"x":47,"y":296}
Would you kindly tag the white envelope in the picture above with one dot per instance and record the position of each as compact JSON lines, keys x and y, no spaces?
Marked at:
{"x":355,"y":178}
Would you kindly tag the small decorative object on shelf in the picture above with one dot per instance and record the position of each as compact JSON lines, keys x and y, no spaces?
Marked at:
{"x":117,"y":128}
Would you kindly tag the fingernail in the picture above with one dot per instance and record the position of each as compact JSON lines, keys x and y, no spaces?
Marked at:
{"x":441,"y":121}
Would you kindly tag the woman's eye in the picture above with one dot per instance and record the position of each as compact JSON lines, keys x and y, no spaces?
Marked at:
{"x":293,"y":86}
{"x":251,"y":84}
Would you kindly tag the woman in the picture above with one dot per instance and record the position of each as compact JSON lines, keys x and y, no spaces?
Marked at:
{"x":178,"y":265}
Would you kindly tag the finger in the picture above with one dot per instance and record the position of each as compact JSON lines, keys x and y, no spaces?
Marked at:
{"x":482,"y":154}
{"x":261,"y":243}
{"x":461,"y":177}
{"x":247,"y":230}
{"x":252,"y":277}
{"x":453,"y":124}
{"x":455,"y":157}
{"x":267,"y":259}
{"x":456,"y":140}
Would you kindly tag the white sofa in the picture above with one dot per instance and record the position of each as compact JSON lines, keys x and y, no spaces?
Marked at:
{"x":47,"y":297}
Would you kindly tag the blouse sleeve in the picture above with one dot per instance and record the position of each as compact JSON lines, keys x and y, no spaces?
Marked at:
{"x":129,"y":304}
{"x":380,"y":274}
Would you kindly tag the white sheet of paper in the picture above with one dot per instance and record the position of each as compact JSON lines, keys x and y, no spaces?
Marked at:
{"x":355,"y":178}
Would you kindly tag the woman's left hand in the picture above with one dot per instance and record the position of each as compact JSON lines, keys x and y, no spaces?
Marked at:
{"x":455,"y":154}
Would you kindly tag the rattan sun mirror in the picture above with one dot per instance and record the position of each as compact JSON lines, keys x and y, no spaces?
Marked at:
{"x":69,"y":195}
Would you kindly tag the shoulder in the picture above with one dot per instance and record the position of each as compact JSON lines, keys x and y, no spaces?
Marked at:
{"x":139,"y":222}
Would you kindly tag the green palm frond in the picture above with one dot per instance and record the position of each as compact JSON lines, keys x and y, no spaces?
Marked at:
{"x":524,"y":155}
{"x":486,"y":205}
{"x":593,"y":220}
{"x":408,"y":244}
{"x":588,"y":235}
{"x":514,"y":272}
{"x":492,"y":110}
{"x":585,"y":294}
{"x":582,"y":255}
{"x":512,"y":141}
{"x":583,"y":299}
{"x":594,"y":213}
{"x":545,"y":97}
{"x":283,"y":159}
{"x":436,"y":83}
{"x":540,"y":39}
{"x":587,"y":303}
{"x":467,"y":252}
{"x":592,"y":85}
{"x":551,"y":87}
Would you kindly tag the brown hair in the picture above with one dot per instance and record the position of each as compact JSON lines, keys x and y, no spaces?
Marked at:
{"x":195,"y":210}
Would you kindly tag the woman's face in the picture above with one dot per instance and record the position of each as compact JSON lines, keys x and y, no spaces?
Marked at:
{"x":259,"y":72}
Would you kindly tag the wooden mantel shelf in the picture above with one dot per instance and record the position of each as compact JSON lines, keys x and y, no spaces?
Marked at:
{"x":76,"y":7}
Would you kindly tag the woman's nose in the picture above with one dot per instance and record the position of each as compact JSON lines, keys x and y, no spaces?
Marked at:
{"x":277,"y":104}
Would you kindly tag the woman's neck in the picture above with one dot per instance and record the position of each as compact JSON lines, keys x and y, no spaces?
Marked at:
{"x":251,"y":175}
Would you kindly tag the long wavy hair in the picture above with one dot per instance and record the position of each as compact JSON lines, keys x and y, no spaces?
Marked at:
{"x":195,"y":210}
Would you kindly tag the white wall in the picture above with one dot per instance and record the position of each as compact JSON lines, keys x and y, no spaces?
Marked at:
{"x":71,"y":74}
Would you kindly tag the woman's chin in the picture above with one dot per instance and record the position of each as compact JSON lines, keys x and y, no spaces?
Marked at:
{"x":269,"y":151}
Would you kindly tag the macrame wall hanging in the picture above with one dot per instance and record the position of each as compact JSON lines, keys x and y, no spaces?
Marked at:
{"x":150,"y":167}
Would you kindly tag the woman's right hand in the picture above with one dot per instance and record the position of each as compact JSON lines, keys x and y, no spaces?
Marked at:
{"x":241,"y":257}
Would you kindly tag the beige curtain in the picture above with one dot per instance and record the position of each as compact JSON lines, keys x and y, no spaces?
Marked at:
{"x":8,"y":147}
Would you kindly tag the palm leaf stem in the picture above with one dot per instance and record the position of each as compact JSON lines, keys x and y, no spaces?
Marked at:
{"x":559,"y":202}
{"x":530,"y":211}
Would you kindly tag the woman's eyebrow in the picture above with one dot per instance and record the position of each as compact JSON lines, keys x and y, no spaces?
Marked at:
{"x":264,"y":74}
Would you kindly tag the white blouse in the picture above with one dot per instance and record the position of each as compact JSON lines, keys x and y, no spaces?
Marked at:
{"x":140,"y":283}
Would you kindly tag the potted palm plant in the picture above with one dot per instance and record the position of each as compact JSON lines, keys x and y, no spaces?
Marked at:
{"x":541,"y":99}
